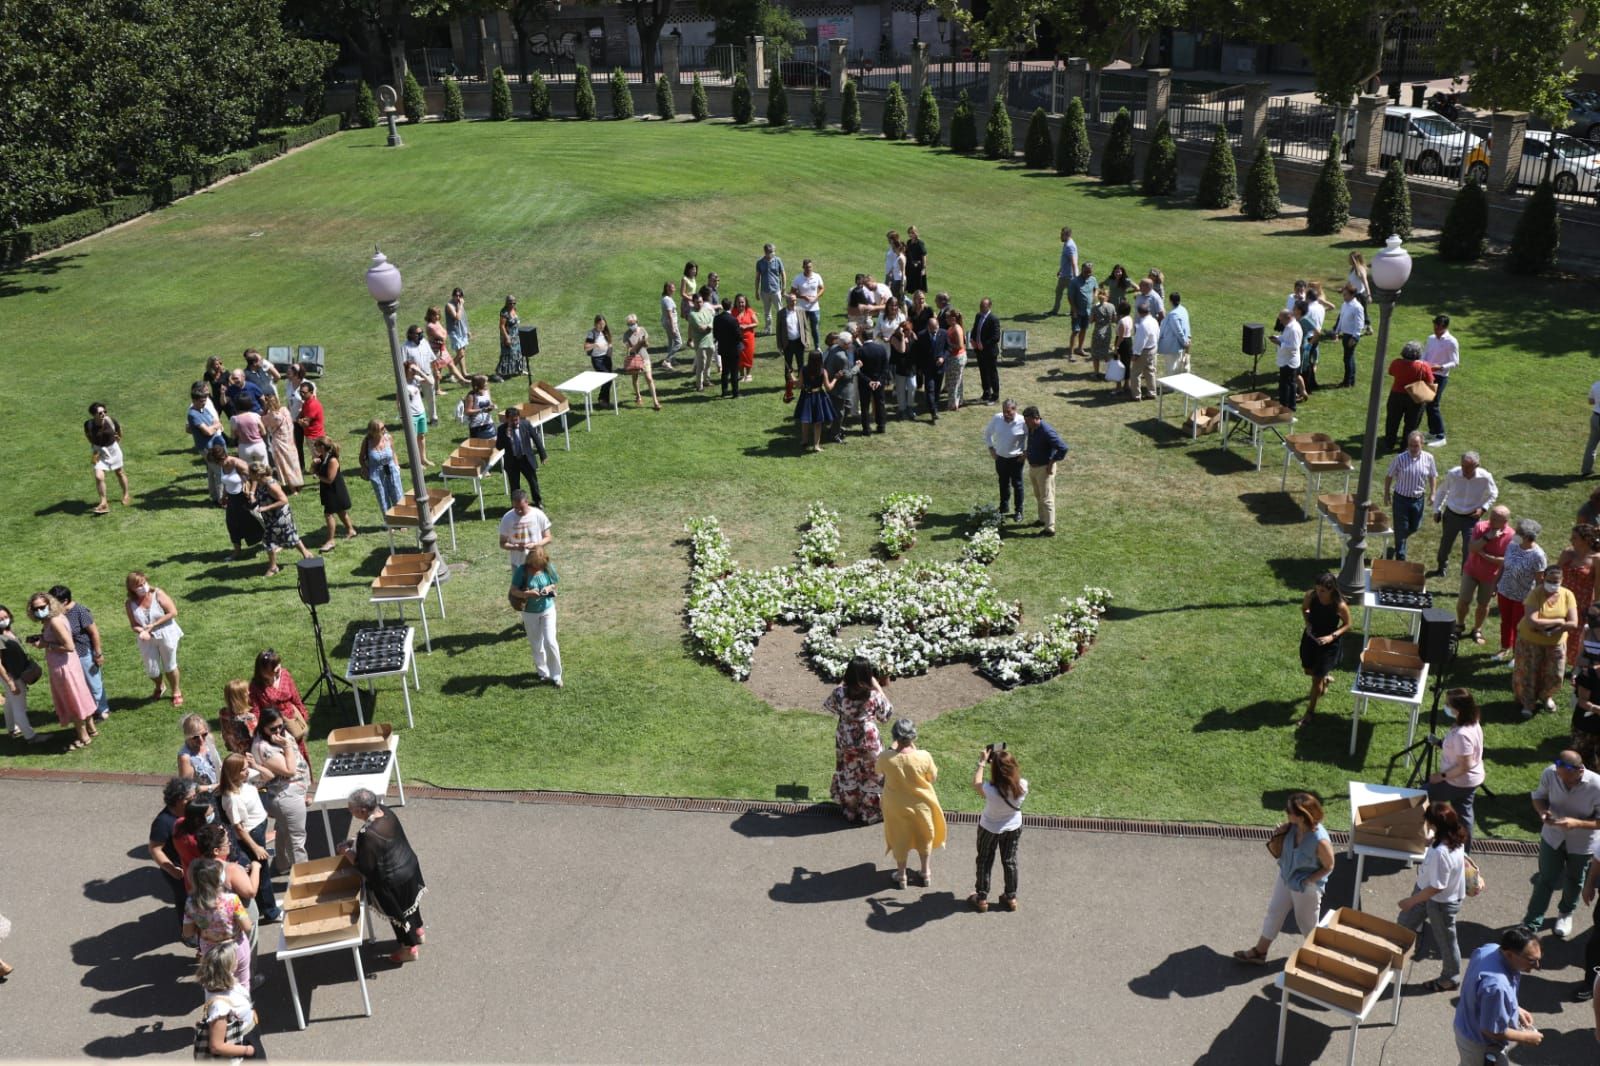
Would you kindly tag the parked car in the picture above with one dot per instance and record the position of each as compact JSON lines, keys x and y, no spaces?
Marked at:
{"x":1571,"y":165}
{"x":804,"y":73}
{"x":1428,"y":142}
{"x":1584,"y":117}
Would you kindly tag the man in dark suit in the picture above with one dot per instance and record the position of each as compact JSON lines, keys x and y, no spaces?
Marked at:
{"x":872,"y":380}
{"x":522,"y":450}
{"x":985,"y":342}
{"x":729,"y":339}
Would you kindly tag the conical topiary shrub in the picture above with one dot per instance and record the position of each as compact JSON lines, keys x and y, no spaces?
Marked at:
{"x":777,"y":100}
{"x":1538,"y":236}
{"x":500,"y":97}
{"x":850,"y":108}
{"x":583,"y":96}
{"x":928,"y":118}
{"x":621,"y":94}
{"x":411,"y":98}
{"x":1260,"y":199}
{"x":1219,"y":183}
{"x":666,"y":109}
{"x":1466,"y":227}
{"x":1038,"y":151}
{"x":538,"y":98}
{"x":1116,"y":162}
{"x":454,"y":108}
{"x":1328,"y":211}
{"x":699,"y":109}
{"x":1161,"y":163}
{"x":998,"y":140}
{"x":819,"y":108}
{"x":1391,"y":207}
{"x":964,"y":127}
{"x":1072,"y":150}
{"x":896,"y":123}
{"x":743,"y":109}
{"x":366,"y":110}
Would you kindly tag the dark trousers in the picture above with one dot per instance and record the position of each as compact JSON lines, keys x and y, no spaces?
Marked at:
{"x":932,"y":388}
{"x":1407,"y":520}
{"x":730,"y":374}
{"x":1286,"y":385}
{"x":1460,"y":799}
{"x":1401,"y":408}
{"x":1456,"y":527}
{"x":1591,"y":947}
{"x":1308,"y":363}
{"x":266,"y":898}
{"x":871,"y":403}
{"x":794,"y":355}
{"x":1349,"y":343}
{"x":524,"y":466}
{"x":300,"y":444}
{"x":1435,"y":419}
{"x":405,"y":929}
{"x":1009,"y":471}
{"x":180,"y":894}
{"x":1006,"y":843}
{"x":602,"y":363}
{"x":989,"y":373}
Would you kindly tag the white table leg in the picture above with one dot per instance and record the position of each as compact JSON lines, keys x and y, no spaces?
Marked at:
{"x":588,"y":409}
{"x":294,"y":994}
{"x":427,"y":641}
{"x":505,"y":479}
{"x":1283,"y":482}
{"x":1399,"y":977}
{"x":616,"y":400}
{"x":483,"y":513}
{"x":1320,"y":527}
{"x":1283,"y":1023}
{"x":413,"y":674}
{"x":405,"y":690}
{"x":1222,"y":428}
{"x":1305,"y":508}
{"x":1366,"y":621}
{"x":1356,"y":708}
{"x":327,"y":827}
{"x":1411,"y":733}
{"x":355,"y":690}
{"x":1161,"y":399}
{"x":566,"y":430}
{"x":379,"y":605}
{"x":439,"y":589}
{"x":1361,"y":869}
{"x":390,"y":531}
{"x":451,"y":512}
{"x":1355,"y":1029}
{"x":399,"y":781}
{"x":361,"y":975}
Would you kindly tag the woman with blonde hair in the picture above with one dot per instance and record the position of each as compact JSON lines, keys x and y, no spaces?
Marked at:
{"x":69,"y":689}
{"x":912,"y":817}
{"x":228,"y":1024}
{"x":455,"y":323}
{"x":438,"y":343}
{"x":198,"y":760}
{"x":153,"y":617}
{"x":237,"y":717}
{"x":277,"y":521}
{"x":1304,"y":853}
{"x":378,"y":465}
{"x":1357,"y":278}
{"x":533,"y":590}
{"x":246,"y":818}
{"x":279,"y":429}
{"x":636,"y":361}
{"x":214,"y":916}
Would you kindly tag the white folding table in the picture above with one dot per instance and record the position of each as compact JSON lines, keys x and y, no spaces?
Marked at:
{"x":1357,"y":1018}
{"x":1412,"y":703}
{"x":403,"y":515}
{"x":590,"y":382}
{"x":1313,"y":477}
{"x":1361,"y":795}
{"x":1195,"y":389}
{"x":1369,"y":603}
{"x":352,"y":943}
{"x":493,"y":460}
{"x":409,"y":662}
{"x":538,"y":416}
{"x":1339,"y":534}
{"x":339,"y":789}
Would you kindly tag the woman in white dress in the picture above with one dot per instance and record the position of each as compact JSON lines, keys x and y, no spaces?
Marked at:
{"x":154,"y":619}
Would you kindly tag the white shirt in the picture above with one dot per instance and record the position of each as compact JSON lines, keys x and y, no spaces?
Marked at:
{"x":1315,"y":313}
{"x":1289,"y":344}
{"x":791,"y":322}
{"x":999,"y":816}
{"x":414,"y":399}
{"x":1411,"y":473}
{"x":524,"y":529}
{"x":244,"y":806}
{"x":1442,"y":353}
{"x":420,"y":354}
{"x":1008,"y":439}
{"x":1355,"y":280}
{"x":887,"y":326}
{"x":598,"y":339}
{"x":891,"y":264}
{"x":1464,"y":495}
{"x":1582,"y":802}
{"x":1445,"y":869}
{"x":881,"y":293}
{"x":1146,"y":334}
{"x":806,"y":287}
{"x":669,"y":314}
{"x":1288,"y":305}
{"x":1352,"y":319}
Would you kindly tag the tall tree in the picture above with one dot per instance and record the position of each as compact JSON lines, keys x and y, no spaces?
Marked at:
{"x":737,"y":19}
{"x":1515,"y":50}
{"x":649,"y":19}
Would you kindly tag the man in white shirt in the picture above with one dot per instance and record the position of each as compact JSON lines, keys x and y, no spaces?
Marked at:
{"x":1006,"y":436}
{"x":791,"y":336}
{"x":808,"y":289}
{"x":1594,"y":429}
{"x":1462,"y":500}
{"x":1142,"y":371}
{"x":1173,"y":346}
{"x":1351,"y":325}
{"x":1412,"y":478}
{"x":1288,"y":340}
{"x":1444,"y":355}
{"x":419,"y":370}
{"x":669,"y":324}
{"x":1311,"y":340}
{"x":894,"y":265}
{"x":523,"y":527}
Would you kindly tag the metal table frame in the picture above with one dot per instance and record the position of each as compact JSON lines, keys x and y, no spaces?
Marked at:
{"x":1313,"y":480}
{"x":1257,"y":436}
{"x":477,"y":481}
{"x":1414,"y":703}
{"x":287,"y":955}
{"x":588,"y":383}
{"x":1194,"y":389}
{"x":420,"y":598}
{"x":445,"y":508}
{"x":1362,"y":794}
{"x":408,"y":663}
{"x":1357,"y":1018}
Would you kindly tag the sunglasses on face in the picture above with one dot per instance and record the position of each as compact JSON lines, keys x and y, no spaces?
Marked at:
{"x":1567,"y":766}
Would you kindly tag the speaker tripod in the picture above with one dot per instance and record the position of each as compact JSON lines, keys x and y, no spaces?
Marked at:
{"x":325,"y":674}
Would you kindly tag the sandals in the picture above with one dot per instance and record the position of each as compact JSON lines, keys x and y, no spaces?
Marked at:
{"x":1252,"y":956}
{"x":403,"y":955}
{"x":79,"y":745}
{"x":1439,"y":984}
{"x":899,"y":879}
{"x":101,"y":510}
{"x":1477,"y":636}
{"x":273,"y":571}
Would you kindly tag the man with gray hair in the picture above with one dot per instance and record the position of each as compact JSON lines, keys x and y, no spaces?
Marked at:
{"x":1480,"y":571}
{"x":1007,"y":438}
{"x":769,"y":284}
{"x":1463,"y":499}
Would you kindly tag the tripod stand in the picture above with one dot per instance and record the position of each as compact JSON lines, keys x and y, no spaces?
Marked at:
{"x":1424,"y":751}
{"x":325,"y":674}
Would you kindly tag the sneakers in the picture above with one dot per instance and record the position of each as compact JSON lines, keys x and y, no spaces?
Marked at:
{"x":1563,"y":926}
{"x":1550,"y":705}
{"x":1503,"y":656}
{"x":1435,"y":442}
{"x":1526,"y":712}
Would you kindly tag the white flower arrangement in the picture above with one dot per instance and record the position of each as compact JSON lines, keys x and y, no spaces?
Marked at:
{"x":819,"y":541}
{"x":901,"y":512}
{"x":983,"y":546}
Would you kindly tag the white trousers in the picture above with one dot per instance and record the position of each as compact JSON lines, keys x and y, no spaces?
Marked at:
{"x":541,"y":630}
{"x":17,"y":711}
{"x":1307,"y":907}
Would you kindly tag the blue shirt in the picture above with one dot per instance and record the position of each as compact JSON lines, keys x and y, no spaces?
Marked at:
{"x":542,"y":580}
{"x":246,"y":397}
{"x":1174,"y":331}
{"x":1045,"y":445}
{"x":1069,"y":252}
{"x":769,"y":274}
{"x":1079,"y":289}
{"x":1488,"y":996}
{"x":1299,"y":859}
{"x":199,"y":419}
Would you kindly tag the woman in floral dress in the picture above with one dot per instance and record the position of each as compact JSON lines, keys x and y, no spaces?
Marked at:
{"x":512,"y":360}
{"x":1577,"y":573}
{"x":860,"y":704}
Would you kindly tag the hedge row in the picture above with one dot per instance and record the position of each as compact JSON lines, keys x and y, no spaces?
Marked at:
{"x":43,"y":236}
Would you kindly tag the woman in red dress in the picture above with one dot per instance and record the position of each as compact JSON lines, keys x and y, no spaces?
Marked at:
{"x":745,"y":315}
{"x":273,"y":686}
{"x":1577,"y":573}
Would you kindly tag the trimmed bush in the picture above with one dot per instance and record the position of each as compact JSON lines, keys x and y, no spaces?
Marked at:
{"x":819,"y":108}
{"x":928,"y":118}
{"x":743,"y":108}
{"x":896,"y":120}
{"x":1116,"y":162}
{"x":583,"y":96}
{"x":500,"y":97}
{"x":455,"y":109}
{"x":777,"y":100}
{"x":538,"y":98}
{"x":1038,"y":151}
{"x":1260,"y":199}
{"x":1329,"y":208}
{"x":1161,"y":163}
{"x":850,"y":108}
{"x":964,"y":127}
{"x":1072,"y":150}
{"x":666,"y":109}
{"x":366,"y":109}
{"x":1219,"y":183}
{"x":1538,"y":236}
{"x":998,"y":140}
{"x":1391,"y":207}
{"x":621,"y":95}
{"x":412,"y":100}
{"x":699,"y":109}
{"x":1466,"y":227}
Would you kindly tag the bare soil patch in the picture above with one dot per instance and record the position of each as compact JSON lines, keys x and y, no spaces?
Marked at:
{"x":782,"y":675}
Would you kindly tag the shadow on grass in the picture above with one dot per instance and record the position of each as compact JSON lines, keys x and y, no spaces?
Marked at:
{"x":20,"y":280}
{"x":1545,"y":482}
{"x":1273,"y":508}
{"x":453,"y":644}
{"x":478,"y":684}
{"x":1297,"y":574}
{"x":1263,"y":714}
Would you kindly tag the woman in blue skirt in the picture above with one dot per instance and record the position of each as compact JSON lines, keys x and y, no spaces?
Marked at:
{"x":813,"y":410}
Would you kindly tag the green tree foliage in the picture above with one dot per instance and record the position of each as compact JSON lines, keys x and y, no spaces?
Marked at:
{"x":538,"y":98}
{"x":412,"y":101}
{"x":1161,"y":163}
{"x":621,"y":95}
{"x":366,"y":110}
{"x":665,"y":107}
{"x":819,"y":108}
{"x":743,"y":109}
{"x":964,"y":127}
{"x":928,"y":118}
{"x":896,"y":123}
{"x":699,"y":109}
{"x":998,"y":140}
{"x":1116,"y":162}
{"x":777,"y":99}
{"x":583,"y":96}
{"x":454,"y":108}
{"x":1260,"y":200}
{"x":1072,"y":150}
{"x":1329,"y":208}
{"x":1538,"y":236}
{"x":1515,"y":51}
{"x":1219,"y":184}
{"x":1391,"y":207}
{"x":1038,"y":151}
{"x":1466,"y":227}
{"x":735,"y":20}
{"x":500,"y":97}
{"x":850,"y":108}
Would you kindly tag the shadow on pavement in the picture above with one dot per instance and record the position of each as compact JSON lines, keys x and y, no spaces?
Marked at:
{"x":1195,"y":972}
{"x":892,"y":914}
{"x":156,"y":1038}
{"x":117,"y":961}
{"x":834,"y":886}
{"x":1256,"y":1027}
{"x":128,"y":885}
{"x":823,"y":818}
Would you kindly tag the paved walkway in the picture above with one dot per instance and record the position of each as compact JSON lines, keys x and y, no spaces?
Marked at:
{"x":585,"y":934}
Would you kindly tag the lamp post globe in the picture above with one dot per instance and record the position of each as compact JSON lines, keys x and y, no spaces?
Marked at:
{"x":383,"y":279}
{"x":1391,"y":268}
{"x":384,"y":285}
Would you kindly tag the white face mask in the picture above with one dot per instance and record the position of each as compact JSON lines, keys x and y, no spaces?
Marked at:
{"x":1552,"y":586}
{"x":5,"y":623}
{"x":41,"y":613}
{"x":144,"y":590}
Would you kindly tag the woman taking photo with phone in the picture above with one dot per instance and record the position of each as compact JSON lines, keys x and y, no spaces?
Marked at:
{"x":1000,"y":824}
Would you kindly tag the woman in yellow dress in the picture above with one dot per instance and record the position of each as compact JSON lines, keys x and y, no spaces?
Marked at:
{"x":912,"y":817}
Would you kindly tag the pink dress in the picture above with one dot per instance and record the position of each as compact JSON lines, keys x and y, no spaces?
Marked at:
{"x":1580,"y":579}
{"x":69,"y":689}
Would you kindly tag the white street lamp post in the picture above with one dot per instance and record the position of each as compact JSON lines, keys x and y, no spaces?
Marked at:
{"x":383,"y":282}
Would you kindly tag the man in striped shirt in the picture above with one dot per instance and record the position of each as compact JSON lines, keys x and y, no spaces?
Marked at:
{"x":1412,"y":479}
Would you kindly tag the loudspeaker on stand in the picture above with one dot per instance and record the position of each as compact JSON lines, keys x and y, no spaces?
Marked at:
{"x":1254,"y":338}
{"x":313,"y":581}
{"x":1436,"y":640}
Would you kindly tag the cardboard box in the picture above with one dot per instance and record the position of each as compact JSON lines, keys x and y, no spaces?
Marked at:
{"x":1393,"y":645}
{"x":1398,"y":574}
{"x":1323,"y":461}
{"x":321,"y":881}
{"x":322,"y":923}
{"x":1406,"y":664}
{"x":1395,"y":824}
{"x":373,"y":737}
{"x":404,"y":513}
{"x":1329,"y":502}
{"x":1370,"y":937}
{"x":1248,"y":397}
{"x":1205,"y":420}
{"x":544,"y":394}
{"x":1332,"y":977}
{"x":1308,"y":442}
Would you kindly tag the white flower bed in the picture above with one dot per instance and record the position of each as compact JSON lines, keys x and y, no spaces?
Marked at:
{"x":819,"y":541}
{"x":983,"y":547}
{"x":923,"y":614}
{"x":900,"y":513}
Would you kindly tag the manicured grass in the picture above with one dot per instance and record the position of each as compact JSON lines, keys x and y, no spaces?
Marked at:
{"x":1181,"y":710}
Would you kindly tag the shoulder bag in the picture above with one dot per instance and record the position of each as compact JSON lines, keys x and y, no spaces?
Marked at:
{"x":1421,"y":392}
{"x":1275,"y":841}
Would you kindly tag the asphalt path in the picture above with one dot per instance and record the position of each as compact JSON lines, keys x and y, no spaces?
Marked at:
{"x":592,"y":934}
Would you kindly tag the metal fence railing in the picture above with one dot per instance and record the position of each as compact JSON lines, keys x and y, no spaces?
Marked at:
{"x":431,"y":66}
{"x":1198,"y":121}
{"x":1300,"y":130}
{"x":950,"y":77}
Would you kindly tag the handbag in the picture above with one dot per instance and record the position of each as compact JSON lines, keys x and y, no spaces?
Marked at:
{"x":1275,"y":841}
{"x":295,"y":726}
{"x":1115,"y":371}
{"x":1475,"y":881}
{"x":1421,"y":392}
{"x":31,"y":673}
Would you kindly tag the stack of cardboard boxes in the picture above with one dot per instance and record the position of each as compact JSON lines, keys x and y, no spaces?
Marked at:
{"x":1341,"y":963}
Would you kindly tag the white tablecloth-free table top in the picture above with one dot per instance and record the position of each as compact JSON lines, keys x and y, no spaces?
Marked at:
{"x":1194,"y":389}
{"x":590,"y":382}
{"x":1411,"y":703}
{"x":1362,"y":794}
{"x":1357,"y":1018}
{"x":351,"y":943}
{"x":339,"y":789}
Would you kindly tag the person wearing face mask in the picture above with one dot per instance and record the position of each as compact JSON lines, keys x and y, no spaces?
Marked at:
{"x":154,"y":619}
{"x":273,"y":686}
{"x":287,"y":780}
{"x":17,"y":671}
{"x":198,"y":760}
{"x":1549,"y":613}
{"x":69,"y":691}
{"x":86,"y":641}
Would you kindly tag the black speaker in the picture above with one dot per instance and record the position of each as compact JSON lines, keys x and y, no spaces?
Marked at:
{"x":1437,"y":638}
{"x":529,"y":335}
{"x":313,"y":581}
{"x":1254,"y":338}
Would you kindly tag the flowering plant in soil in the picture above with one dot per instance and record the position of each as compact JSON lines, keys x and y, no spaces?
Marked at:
{"x":900,"y":513}
{"x":819,"y":541}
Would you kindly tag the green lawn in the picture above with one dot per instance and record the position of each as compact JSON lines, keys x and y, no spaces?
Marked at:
{"x":1180,"y":711}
